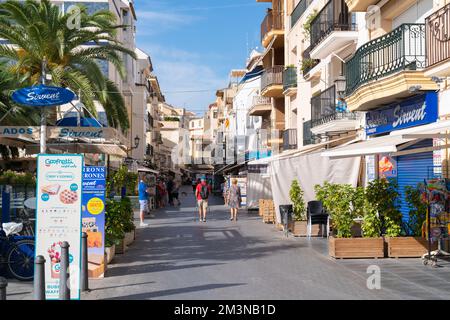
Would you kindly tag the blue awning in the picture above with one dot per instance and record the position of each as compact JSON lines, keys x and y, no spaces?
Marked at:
{"x":72,"y":122}
{"x":256,"y":72}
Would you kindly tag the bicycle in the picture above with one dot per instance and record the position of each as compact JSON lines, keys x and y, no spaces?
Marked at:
{"x":17,"y":253}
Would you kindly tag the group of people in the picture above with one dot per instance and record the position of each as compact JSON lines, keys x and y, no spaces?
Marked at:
{"x":232,"y":196}
{"x":167,"y":192}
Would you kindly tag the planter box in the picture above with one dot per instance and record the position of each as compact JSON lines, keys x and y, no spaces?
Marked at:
{"x":121,"y":247}
{"x":110,"y":252}
{"x":347,"y":248}
{"x":129,"y":238}
{"x":408,"y":247}
{"x":299,"y":229}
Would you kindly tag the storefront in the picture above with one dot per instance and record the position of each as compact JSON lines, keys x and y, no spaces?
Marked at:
{"x":403,"y":143}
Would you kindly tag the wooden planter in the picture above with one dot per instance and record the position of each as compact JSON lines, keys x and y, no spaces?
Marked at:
{"x":121,"y":247}
{"x":110,"y":252}
{"x":129,"y":237}
{"x":408,"y":247}
{"x":299,"y":229}
{"x":347,"y":248}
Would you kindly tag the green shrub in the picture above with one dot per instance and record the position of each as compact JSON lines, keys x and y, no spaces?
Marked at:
{"x":119,"y":220}
{"x":296,"y":194}
{"x":417,"y":210}
{"x":13,"y":178}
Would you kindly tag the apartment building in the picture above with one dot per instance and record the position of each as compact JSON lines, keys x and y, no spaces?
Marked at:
{"x":272,"y":101}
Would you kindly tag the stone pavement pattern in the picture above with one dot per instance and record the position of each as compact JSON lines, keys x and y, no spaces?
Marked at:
{"x":177,"y":257}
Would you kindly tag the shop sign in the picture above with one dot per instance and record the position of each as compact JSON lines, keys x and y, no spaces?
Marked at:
{"x":370,"y":168}
{"x":412,"y":112}
{"x":58,"y":210}
{"x":43,"y":96}
{"x":32,"y":132}
{"x":387,"y":166}
{"x":93,"y":218}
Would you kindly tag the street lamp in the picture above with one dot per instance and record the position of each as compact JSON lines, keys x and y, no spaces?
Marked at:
{"x":137,"y":140}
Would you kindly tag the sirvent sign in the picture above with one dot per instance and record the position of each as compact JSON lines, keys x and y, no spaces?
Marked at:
{"x":43,"y":96}
{"x":32,"y":132}
{"x":412,"y":112}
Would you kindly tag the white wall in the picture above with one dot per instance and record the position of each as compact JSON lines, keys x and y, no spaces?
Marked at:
{"x":416,"y":14}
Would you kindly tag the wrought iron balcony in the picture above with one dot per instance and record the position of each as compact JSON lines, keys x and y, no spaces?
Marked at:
{"x":308,"y":136}
{"x":325,"y":109}
{"x":149,"y":150}
{"x":289,"y":78}
{"x":299,"y":10}
{"x":272,"y":76}
{"x":438,"y":36}
{"x":401,"y":49}
{"x":274,"y":20}
{"x":290,"y":139}
{"x":333,"y":17}
{"x":307,"y":62}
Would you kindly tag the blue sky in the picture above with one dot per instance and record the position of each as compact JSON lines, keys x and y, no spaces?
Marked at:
{"x":195,"y":43}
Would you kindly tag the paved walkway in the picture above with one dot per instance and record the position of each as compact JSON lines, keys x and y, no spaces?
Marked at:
{"x":177,"y":257}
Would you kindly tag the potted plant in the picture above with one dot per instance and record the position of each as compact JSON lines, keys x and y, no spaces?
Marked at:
{"x":299,"y":223}
{"x":114,"y":229}
{"x":411,"y":244}
{"x":346,"y":203}
{"x":307,"y":24}
{"x":127,"y":215}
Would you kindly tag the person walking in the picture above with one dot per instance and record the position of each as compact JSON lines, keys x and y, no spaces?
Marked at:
{"x":202,"y":194}
{"x":170,"y":187}
{"x":225,"y":192}
{"x":175,"y":193}
{"x":143,"y":200}
{"x":234,"y":199}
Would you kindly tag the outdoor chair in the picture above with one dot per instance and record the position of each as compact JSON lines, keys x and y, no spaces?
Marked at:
{"x":316,"y":214}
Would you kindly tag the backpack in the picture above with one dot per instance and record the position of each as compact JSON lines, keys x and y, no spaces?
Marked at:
{"x":204,"y":192}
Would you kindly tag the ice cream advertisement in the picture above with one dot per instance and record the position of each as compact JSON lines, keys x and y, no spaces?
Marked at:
{"x":93,"y":218}
{"x":387,"y":166}
{"x":59,"y":187}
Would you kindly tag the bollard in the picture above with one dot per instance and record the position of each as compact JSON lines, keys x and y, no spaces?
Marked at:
{"x":39,"y":278}
{"x":64,"y":275}
{"x":3,"y":285}
{"x":84,"y":263}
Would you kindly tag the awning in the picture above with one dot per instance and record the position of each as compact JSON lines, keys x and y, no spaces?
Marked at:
{"x":110,"y":149}
{"x":144,"y":169}
{"x":393,"y":143}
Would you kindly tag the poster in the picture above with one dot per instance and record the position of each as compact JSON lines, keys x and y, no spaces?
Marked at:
{"x":58,"y":208}
{"x":93,"y":218}
{"x":387,"y":166}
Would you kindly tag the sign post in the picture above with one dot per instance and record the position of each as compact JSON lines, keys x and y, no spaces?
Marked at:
{"x":93,"y":218}
{"x":58,"y":218}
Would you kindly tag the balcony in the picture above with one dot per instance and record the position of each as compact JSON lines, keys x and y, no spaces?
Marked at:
{"x":308,"y":136}
{"x":386,"y":68}
{"x":290,"y":81}
{"x":332,"y":29}
{"x":299,"y":10}
{"x":272,"y":82}
{"x":149,"y":150}
{"x":308,"y":63}
{"x":360,"y":5}
{"x":272,"y":25}
{"x":437,"y":42}
{"x":328,"y":116}
{"x":290,"y":139}
{"x":260,"y":106}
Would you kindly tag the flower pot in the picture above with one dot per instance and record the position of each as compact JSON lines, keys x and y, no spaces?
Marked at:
{"x":121,"y":247}
{"x":408,"y":247}
{"x":347,"y":248}
{"x":300,"y":228}
{"x":110,"y":252}
{"x":129,"y":238}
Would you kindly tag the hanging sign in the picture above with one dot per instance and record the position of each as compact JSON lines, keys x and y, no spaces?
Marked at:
{"x":58,"y":210}
{"x":93,"y":218}
{"x":42,"y":96}
{"x":409,"y":113}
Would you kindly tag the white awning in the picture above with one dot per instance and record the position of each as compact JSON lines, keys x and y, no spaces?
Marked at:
{"x":390,"y":144}
{"x":386,"y":144}
{"x":144,"y":169}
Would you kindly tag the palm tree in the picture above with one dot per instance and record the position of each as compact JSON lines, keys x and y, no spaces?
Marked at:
{"x":38,"y":31}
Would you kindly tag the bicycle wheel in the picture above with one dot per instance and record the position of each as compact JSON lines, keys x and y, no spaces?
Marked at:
{"x":20,"y":260}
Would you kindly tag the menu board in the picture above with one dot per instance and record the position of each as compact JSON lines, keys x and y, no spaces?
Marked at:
{"x":58,"y":194}
{"x":93,"y":218}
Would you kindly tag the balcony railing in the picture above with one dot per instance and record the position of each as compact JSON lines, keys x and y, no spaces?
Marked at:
{"x":272,"y":76}
{"x":324,"y":109}
{"x":307,"y":62}
{"x":149,"y":150}
{"x":308,"y":136}
{"x":333,"y":17}
{"x":401,"y":49}
{"x":299,"y":11}
{"x":274,"y":20}
{"x":289,"y":78}
{"x":290,"y":139}
{"x":438,"y":36}
{"x":262,"y":101}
